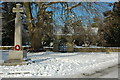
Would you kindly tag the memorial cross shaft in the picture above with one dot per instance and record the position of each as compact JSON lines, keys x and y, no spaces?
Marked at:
{"x":18,"y":25}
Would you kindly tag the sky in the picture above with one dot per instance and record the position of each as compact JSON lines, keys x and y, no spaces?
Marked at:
{"x":81,"y":12}
{"x":85,"y":16}
{"x":59,"y":0}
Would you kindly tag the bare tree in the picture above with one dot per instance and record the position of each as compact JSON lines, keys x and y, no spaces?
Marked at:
{"x":85,"y":8}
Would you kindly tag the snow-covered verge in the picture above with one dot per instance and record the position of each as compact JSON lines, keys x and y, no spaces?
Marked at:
{"x":52,"y":64}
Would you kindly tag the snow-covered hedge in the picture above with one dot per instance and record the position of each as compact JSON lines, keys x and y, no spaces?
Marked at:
{"x":97,"y":49}
{"x":12,"y":47}
{"x":76,"y":49}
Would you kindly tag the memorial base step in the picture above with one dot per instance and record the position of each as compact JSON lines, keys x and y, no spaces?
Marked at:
{"x":16,"y":62}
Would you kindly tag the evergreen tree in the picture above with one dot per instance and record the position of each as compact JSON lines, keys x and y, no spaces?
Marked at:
{"x":8,"y":24}
{"x":112,"y":25}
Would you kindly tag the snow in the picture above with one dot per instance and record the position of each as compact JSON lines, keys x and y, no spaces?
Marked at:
{"x":91,"y":46}
{"x":13,"y":46}
{"x":64,"y":34}
{"x":56,"y":64}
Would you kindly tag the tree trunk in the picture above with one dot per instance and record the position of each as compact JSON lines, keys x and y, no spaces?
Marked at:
{"x":37,"y":40}
{"x":35,"y":33}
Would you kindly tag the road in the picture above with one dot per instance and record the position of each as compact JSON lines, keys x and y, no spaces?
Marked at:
{"x":111,"y":72}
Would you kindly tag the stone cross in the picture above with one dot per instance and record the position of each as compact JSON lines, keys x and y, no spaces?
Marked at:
{"x":17,"y":56}
{"x":18,"y":31}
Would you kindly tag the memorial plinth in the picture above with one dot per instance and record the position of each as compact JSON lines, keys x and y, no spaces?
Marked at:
{"x":17,"y":55}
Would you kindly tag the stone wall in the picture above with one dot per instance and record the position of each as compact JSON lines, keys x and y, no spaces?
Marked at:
{"x":91,"y":49}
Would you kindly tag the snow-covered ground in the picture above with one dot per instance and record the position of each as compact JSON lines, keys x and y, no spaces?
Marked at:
{"x":55,"y":64}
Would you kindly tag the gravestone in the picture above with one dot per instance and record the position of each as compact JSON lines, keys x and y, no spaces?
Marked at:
{"x":17,"y":55}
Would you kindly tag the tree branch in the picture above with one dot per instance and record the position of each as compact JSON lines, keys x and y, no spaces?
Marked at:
{"x":29,"y":16}
{"x":51,"y":3}
{"x":74,"y":6}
